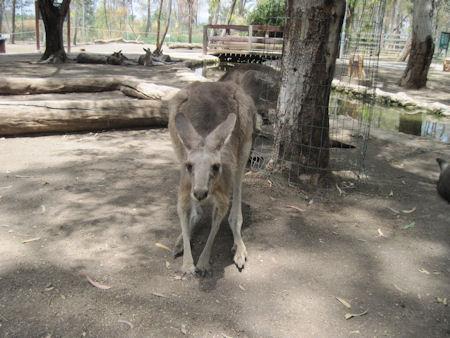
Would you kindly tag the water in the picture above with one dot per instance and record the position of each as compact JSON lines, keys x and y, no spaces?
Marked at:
{"x":396,"y":119}
{"x":383,"y":117}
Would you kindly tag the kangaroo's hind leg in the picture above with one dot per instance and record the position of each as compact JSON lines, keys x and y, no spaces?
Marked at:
{"x":235,"y":218}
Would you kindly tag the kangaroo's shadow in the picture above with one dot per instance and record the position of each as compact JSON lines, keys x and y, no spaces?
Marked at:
{"x":221,"y":256}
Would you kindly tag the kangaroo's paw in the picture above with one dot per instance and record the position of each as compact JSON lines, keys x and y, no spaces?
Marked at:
{"x":240,"y":257}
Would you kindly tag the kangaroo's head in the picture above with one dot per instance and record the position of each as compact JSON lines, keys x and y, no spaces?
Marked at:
{"x":147,"y":51}
{"x":204,"y":161}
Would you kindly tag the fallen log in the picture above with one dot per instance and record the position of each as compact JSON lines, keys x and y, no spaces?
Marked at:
{"x":184,"y":45}
{"x":121,"y":40}
{"x":52,"y":116}
{"x":132,"y":88}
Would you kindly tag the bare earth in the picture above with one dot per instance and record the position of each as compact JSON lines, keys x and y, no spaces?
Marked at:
{"x":98,"y":205}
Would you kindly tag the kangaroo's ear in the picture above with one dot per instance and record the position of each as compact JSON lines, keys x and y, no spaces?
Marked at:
{"x":144,"y":49}
{"x":220,"y":136}
{"x":187,"y":133}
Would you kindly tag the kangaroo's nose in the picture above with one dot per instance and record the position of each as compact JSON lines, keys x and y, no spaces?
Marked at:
{"x":200,"y":194}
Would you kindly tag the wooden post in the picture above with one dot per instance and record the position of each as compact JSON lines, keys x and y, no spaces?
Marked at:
{"x":250,"y":37}
{"x":68,"y":30}
{"x":205,"y":39}
{"x":38,"y":36}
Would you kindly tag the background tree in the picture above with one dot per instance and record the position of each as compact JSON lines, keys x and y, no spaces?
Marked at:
{"x":190,"y":5}
{"x":2,"y":12}
{"x":53,"y":15}
{"x":160,"y":39}
{"x":13,"y":20}
{"x":311,"y":40}
{"x":148,"y":24}
{"x":422,"y":46}
{"x":268,"y":12}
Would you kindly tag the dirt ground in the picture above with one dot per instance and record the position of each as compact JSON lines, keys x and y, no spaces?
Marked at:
{"x":103,"y":205}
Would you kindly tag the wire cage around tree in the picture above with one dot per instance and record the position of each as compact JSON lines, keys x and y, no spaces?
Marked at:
{"x":350,"y":106}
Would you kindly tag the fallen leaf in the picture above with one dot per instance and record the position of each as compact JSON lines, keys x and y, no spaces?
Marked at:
{"x":294,"y":207}
{"x":442,"y":301}
{"x":126,"y":322}
{"x":409,"y":211}
{"x":49,"y":287}
{"x":97,"y":284}
{"x":398,"y":288}
{"x":344,"y":302}
{"x":43,"y":209}
{"x":311,"y":202}
{"x":31,"y":240}
{"x":183,"y":329}
{"x":270,"y":183}
{"x":391,"y":194}
{"x":339,"y":189}
{"x":241,"y":287}
{"x":409,"y":225}
{"x":157,"y":294}
{"x":424,"y":271}
{"x":355,"y":332}
{"x":167,"y":265}
{"x":162,"y":246}
{"x":380,"y":233}
{"x":395,"y":211}
{"x":351,"y":315}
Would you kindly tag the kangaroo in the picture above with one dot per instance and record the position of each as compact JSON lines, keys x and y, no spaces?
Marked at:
{"x":443,"y":185}
{"x":116,"y":58}
{"x":211,"y":126}
{"x":146,"y":60}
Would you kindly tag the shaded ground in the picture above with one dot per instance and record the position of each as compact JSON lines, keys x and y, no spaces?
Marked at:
{"x":98,"y":203}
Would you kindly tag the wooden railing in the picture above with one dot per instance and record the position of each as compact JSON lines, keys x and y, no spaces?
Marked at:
{"x":241,"y":39}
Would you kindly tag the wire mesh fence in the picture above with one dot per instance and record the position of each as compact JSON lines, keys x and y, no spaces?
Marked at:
{"x":343,"y":129}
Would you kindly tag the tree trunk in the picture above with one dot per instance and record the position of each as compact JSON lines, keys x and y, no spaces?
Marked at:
{"x":158,"y":24}
{"x":53,"y":17}
{"x":190,"y":4}
{"x":2,"y":11}
{"x":406,"y":50}
{"x":160,"y":41}
{"x":309,"y":56}
{"x":230,"y":15}
{"x":241,"y":9}
{"x":13,"y":19}
{"x":422,"y":47}
{"x":105,"y":12}
{"x":148,"y":25}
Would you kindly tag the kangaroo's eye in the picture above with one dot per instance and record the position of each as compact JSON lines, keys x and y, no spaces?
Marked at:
{"x":215,"y":167}
{"x":189,"y":167}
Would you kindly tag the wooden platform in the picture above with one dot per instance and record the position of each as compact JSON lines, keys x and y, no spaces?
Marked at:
{"x":241,"y":41}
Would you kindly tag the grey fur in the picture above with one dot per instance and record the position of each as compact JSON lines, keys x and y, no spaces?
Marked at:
{"x":211,"y":126}
{"x":260,"y":82}
{"x":147,"y":59}
{"x":443,"y":185}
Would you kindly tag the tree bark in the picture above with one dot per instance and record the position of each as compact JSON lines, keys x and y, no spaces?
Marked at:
{"x":406,"y":50}
{"x":148,"y":25}
{"x":158,"y":23}
{"x":160,"y":42}
{"x":422,"y":46}
{"x":13,"y":19}
{"x":53,"y":17}
{"x":105,"y":12}
{"x":309,"y":56}
{"x":190,"y":4}
{"x":230,"y":15}
{"x":2,"y":11}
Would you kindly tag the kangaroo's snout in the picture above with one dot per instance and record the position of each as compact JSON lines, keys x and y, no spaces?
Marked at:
{"x":200,"y":194}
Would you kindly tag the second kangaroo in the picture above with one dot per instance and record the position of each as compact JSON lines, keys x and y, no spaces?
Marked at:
{"x":211,"y":126}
